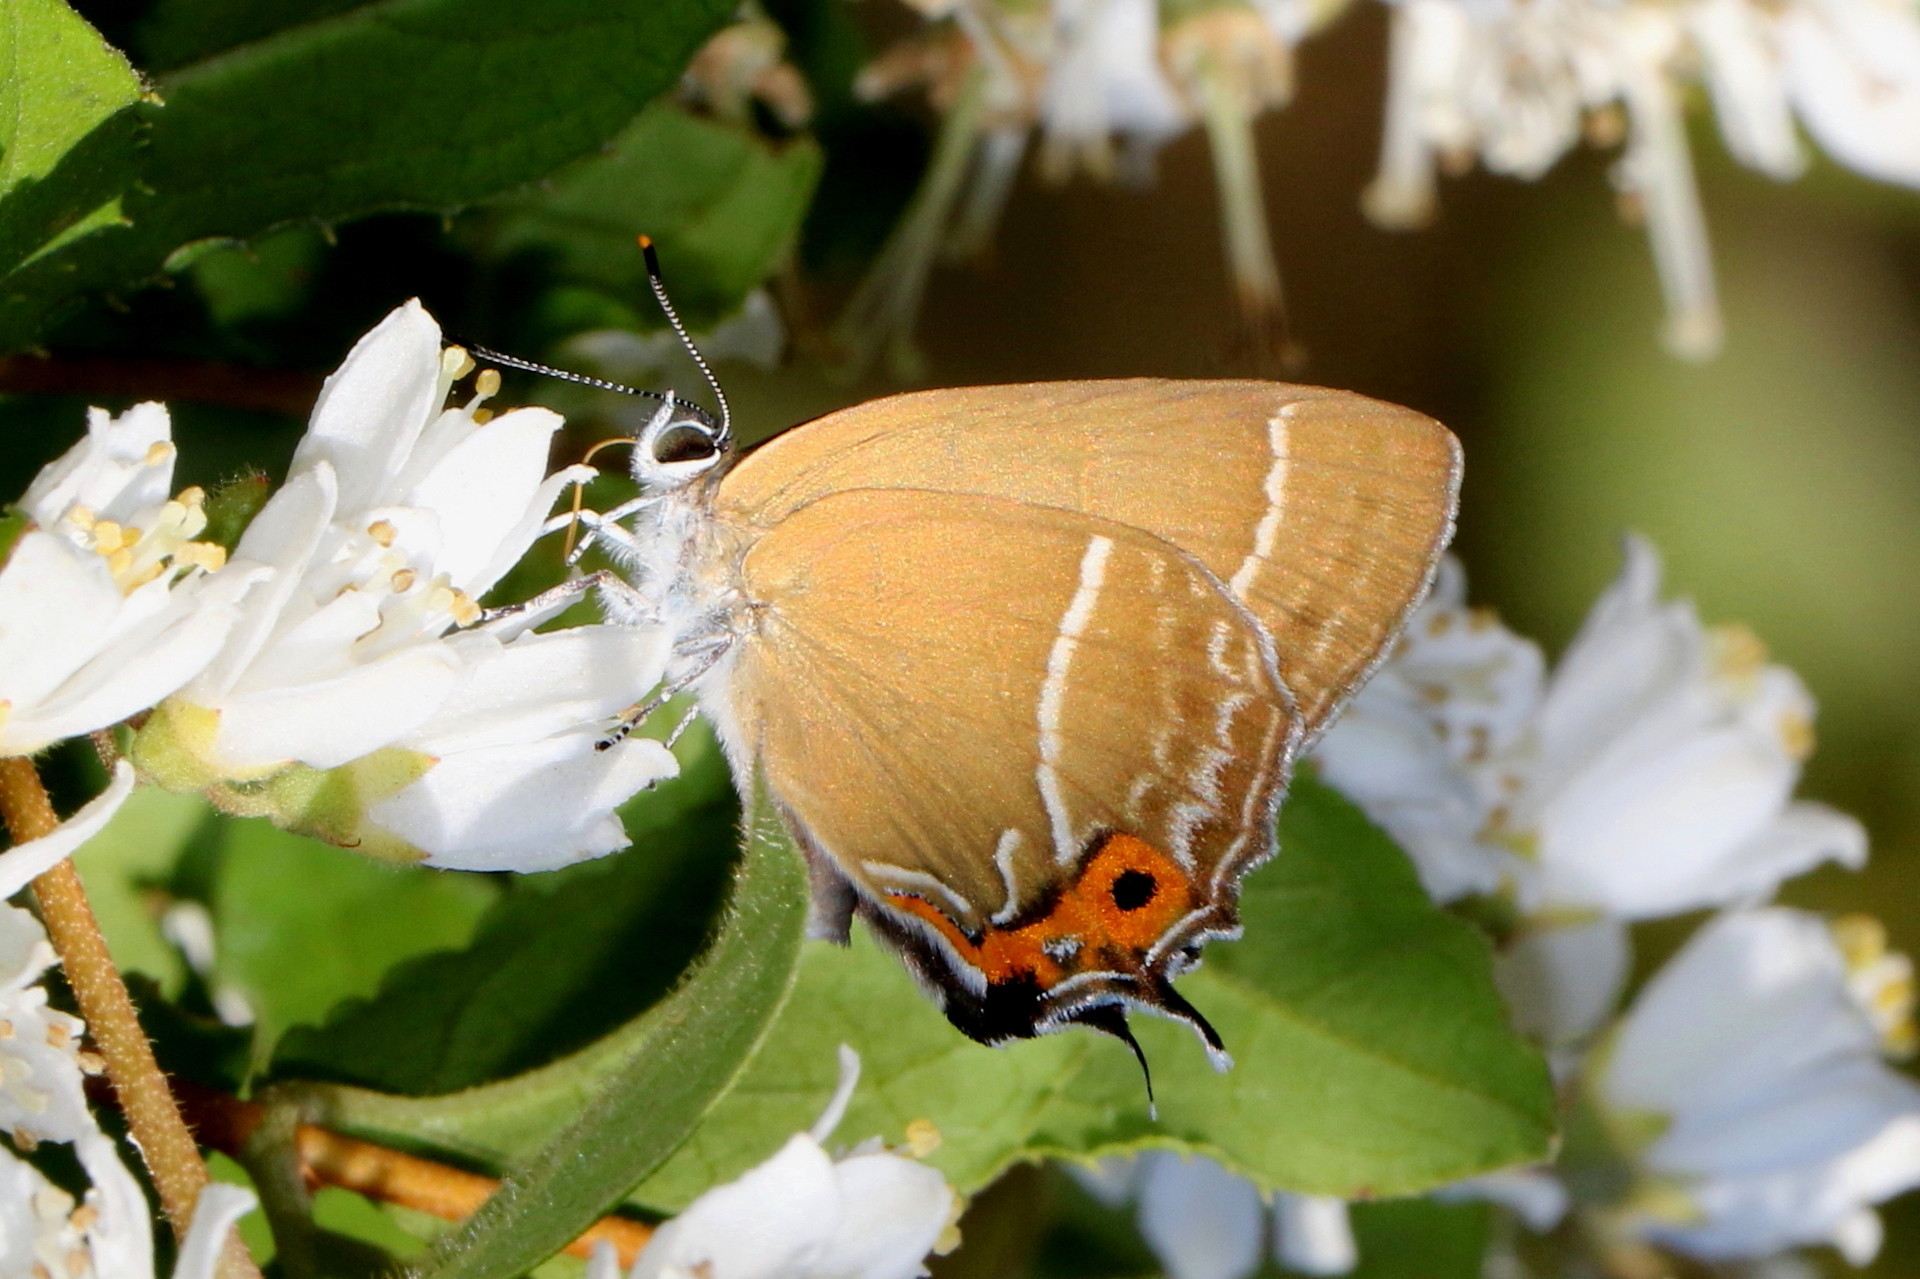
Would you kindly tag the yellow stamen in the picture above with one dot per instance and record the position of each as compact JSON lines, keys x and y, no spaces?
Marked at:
{"x":106,"y":537}
{"x":119,"y":562}
{"x":210,"y":556}
{"x":922,"y":1138}
{"x":1862,"y":939}
{"x":487,"y":385}
{"x":158,"y":452}
{"x":440,"y":600}
{"x":464,"y":610}
{"x":482,"y":416}
{"x":1738,"y":653}
{"x":80,"y":516}
{"x":455,"y":362}
{"x":382,"y":532}
{"x":141,"y":578}
{"x":1796,"y":734}
{"x":403,"y":581}
{"x":192,"y":496}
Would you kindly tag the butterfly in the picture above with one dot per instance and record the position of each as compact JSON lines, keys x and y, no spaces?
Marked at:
{"x":1025,"y":668}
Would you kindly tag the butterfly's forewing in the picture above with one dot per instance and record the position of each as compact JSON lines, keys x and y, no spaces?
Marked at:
{"x":1323,"y":511}
{"x":1043,"y":745}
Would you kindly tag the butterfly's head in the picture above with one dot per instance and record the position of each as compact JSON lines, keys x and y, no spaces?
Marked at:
{"x":679,"y":444}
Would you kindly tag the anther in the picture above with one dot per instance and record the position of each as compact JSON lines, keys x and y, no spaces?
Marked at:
{"x":403,"y":581}
{"x":193,"y":495}
{"x":481,"y":416}
{"x":382,"y":532}
{"x":106,"y":537}
{"x":79,"y":516}
{"x":455,"y":363}
{"x":487,"y":385}
{"x":158,"y":452}
{"x":923,"y":1138}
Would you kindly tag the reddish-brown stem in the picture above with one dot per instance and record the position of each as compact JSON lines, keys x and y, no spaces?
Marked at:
{"x":172,"y":1158}
{"x":329,"y":1159}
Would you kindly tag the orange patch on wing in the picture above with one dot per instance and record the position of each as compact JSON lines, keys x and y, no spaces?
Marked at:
{"x":1124,"y":901}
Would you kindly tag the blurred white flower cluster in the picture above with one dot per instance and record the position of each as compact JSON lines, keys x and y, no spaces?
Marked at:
{"x":1105,"y":83}
{"x":867,"y":1213}
{"x":1741,"y":1105}
{"x":336,"y":673}
{"x":43,"y":1232}
{"x":1515,"y":84}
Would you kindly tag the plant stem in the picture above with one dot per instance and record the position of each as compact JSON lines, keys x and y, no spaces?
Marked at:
{"x":172,"y":1158}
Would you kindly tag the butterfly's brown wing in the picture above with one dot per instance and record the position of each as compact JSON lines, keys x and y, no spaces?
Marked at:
{"x":1042,"y":746}
{"x":1323,"y":511}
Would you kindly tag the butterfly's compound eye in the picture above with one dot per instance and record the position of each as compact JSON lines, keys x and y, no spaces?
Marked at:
{"x":683,"y":442}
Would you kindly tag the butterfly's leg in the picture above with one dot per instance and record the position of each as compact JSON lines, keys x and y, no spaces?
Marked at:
{"x":706,"y":656}
{"x":622,"y":599}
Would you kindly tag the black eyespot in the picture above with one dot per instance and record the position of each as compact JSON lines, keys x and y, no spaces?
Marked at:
{"x":1133,"y":889}
{"x":683,"y":443}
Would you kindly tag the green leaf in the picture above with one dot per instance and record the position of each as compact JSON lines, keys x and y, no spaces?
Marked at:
{"x":1372,"y":1050}
{"x":67,"y":131}
{"x":414,"y":104}
{"x":673,"y":1064}
{"x":135,"y":854}
{"x":987,"y":1102}
{"x":563,"y":959}
{"x":723,"y":204}
{"x":303,"y":926}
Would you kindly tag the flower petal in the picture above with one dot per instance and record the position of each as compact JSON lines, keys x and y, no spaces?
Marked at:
{"x":1853,"y":69}
{"x":22,"y":863}
{"x":484,"y":493}
{"x":115,"y":471}
{"x":541,"y":684}
{"x":219,"y":1207}
{"x":142,"y":667}
{"x":1313,"y":1234}
{"x":767,"y":1225}
{"x":54,"y":599}
{"x":373,"y":408}
{"x":283,"y":537}
{"x":1562,"y":981}
{"x":893,"y":1212}
{"x":328,"y":722}
{"x":1201,"y":1221}
{"x":524,"y":807}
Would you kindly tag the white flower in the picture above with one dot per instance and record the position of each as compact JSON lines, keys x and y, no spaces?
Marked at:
{"x":1651,"y":774}
{"x":42,"y":1098}
{"x":472,"y":748}
{"x":1515,"y":80}
{"x":105,"y":601}
{"x":519,"y":780}
{"x":804,"y":1214}
{"x":1204,"y":1222}
{"x":1746,"y":1082}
